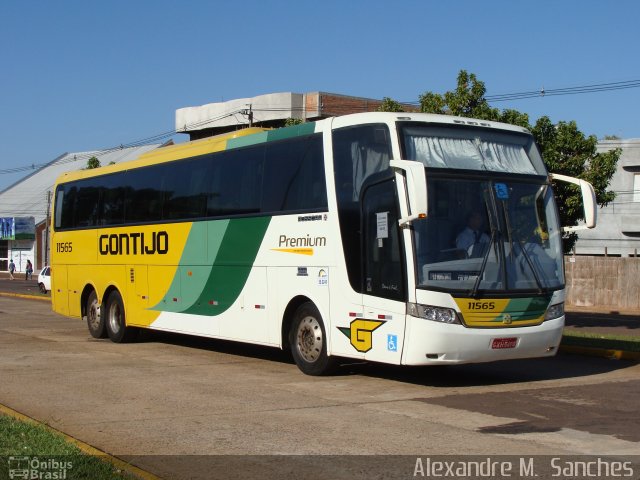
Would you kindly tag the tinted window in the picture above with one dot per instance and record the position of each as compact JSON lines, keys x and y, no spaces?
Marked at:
{"x":236,"y":182}
{"x":383,"y":272}
{"x":113,"y":197}
{"x":294,"y":176}
{"x":87,"y":198}
{"x":185,"y":187}
{"x":65,"y":204}
{"x":358,"y":153}
{"x":143,"y":200}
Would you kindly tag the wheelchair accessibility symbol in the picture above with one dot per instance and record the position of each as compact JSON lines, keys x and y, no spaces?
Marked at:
{"x":392,"y":343}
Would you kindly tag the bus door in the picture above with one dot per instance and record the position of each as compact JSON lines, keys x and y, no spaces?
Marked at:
{"x":384,"y":271}
{"x":137,"y":294}
{"x":60,"y":289}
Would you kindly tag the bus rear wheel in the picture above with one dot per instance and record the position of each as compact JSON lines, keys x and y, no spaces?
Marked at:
{"x":116,"y":322}
{"x":95,"y":321}
{"x":308,"y":341}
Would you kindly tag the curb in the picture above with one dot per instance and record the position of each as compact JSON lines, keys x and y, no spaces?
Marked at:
{"x":601,"y":352}
{"x":28,"y":297}
{"x":84,"y":447}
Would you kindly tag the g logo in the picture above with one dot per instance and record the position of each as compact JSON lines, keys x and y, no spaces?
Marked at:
{"x":360,"y":333}
{"x":506,"y":319}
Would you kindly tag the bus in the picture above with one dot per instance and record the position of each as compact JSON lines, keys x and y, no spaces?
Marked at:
{"x":348,"y":237}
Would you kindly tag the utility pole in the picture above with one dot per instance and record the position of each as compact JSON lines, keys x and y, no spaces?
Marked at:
{"x":248,"y":112}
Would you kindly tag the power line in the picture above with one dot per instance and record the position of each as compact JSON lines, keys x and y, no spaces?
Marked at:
{"x":597,"y":87}
{"x":137,"y":143}
{"x":592,"y":88}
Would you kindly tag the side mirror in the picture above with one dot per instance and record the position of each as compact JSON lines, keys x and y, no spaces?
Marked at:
{"x":588,"y":201}
{"x":416,"y":189}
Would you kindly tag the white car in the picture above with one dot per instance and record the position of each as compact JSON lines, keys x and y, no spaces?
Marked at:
{"x":44,"y":279}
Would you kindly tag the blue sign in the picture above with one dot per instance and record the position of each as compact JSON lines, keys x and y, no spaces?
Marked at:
{"x":502,"y":191}
{"x":392,"y":343}
{"x":7,"y":228}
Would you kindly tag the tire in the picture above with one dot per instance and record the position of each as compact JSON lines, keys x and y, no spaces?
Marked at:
{"x":95,"y":319}
{"x":115,"y":320}
{"x":308,"y":341}
{"x":42,"y":287}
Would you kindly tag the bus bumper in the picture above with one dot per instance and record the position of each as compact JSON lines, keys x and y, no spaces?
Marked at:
{"x":432,"y":343}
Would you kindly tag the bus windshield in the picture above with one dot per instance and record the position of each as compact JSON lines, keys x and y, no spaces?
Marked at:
{"x":492,"y":224}
{"x":489,"y":235}
{"x":447,"y":147}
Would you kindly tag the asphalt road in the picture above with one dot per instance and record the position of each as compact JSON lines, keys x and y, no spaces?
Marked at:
{"x":175,"y":404}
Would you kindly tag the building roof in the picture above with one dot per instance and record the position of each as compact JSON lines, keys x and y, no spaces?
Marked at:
{"x":270,"y":110}
{"x":28,"y":196}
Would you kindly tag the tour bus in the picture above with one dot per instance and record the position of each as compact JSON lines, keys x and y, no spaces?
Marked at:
{"x":402,"y":238}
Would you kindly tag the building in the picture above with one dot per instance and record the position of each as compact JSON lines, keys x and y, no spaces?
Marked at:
{"x":271,"y":110}
{"x":617,"y":231}
{"x":25,"y":204}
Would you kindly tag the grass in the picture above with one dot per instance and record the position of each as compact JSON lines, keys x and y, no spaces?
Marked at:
{"x":25,"y":441}
{"x":601,"y":340}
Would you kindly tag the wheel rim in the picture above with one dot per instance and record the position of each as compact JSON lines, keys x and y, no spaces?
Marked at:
{"x":309,"y":339}
{"x":92,"y":315}
{"x":114,"y":318}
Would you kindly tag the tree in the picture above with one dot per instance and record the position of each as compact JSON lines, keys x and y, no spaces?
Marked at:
{"x":390,"y":105}
{"x":289,"y":122}
{"x":564,"y":148}
{"x":92,"y":163}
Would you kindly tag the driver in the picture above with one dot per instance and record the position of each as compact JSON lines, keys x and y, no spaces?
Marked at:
{"x":472,"y":240}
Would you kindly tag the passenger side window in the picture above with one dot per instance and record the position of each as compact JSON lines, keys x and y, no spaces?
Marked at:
{"x":144,"y":195}
{"x":294,"y":176}
{"x":236,"y":182}
{"x":185,"y":189}
{"x":383,"y":272}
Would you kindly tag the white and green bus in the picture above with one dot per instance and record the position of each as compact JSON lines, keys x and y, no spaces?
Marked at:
{"x":409,"y":239}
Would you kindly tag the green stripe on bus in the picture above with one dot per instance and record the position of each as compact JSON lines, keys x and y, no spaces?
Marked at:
{"x":272,"y":135}
{"x":523,"y":309}
{"x":252,"y":139}
{"x":232,"y":265}
{"x":293,"y":131}
{"x":210,"y":290}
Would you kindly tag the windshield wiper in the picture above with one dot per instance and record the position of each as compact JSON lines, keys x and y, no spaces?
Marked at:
{"x":474,"y":291}
{"x":494,"y":233}
{"x":522,"y":249}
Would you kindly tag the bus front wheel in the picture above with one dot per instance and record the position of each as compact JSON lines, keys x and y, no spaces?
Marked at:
{"x":308,"y":341}
{"x":95,"y":321}
{"x":116,"y":322}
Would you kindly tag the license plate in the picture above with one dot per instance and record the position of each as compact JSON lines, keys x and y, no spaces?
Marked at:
{"x":498,"y":343}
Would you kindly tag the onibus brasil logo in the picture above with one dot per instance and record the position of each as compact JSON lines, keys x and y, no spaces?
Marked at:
{"x":32,"y":468}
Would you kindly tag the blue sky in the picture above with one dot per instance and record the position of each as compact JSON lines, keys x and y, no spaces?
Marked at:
{"x":79,"y":75}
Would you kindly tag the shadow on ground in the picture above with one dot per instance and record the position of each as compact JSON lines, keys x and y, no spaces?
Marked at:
{"x":562,"y":366}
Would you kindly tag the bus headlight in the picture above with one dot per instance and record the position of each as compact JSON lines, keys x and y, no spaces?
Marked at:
{"x":554,"y":311}
{"x":436,"y":314}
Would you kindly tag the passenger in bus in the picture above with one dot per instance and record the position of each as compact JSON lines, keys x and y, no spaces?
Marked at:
{"x":472,"y":240}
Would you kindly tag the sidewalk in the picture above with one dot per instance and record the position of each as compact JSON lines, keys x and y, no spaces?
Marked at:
{"x":20,"y":286}
{"x":602,"y":320}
